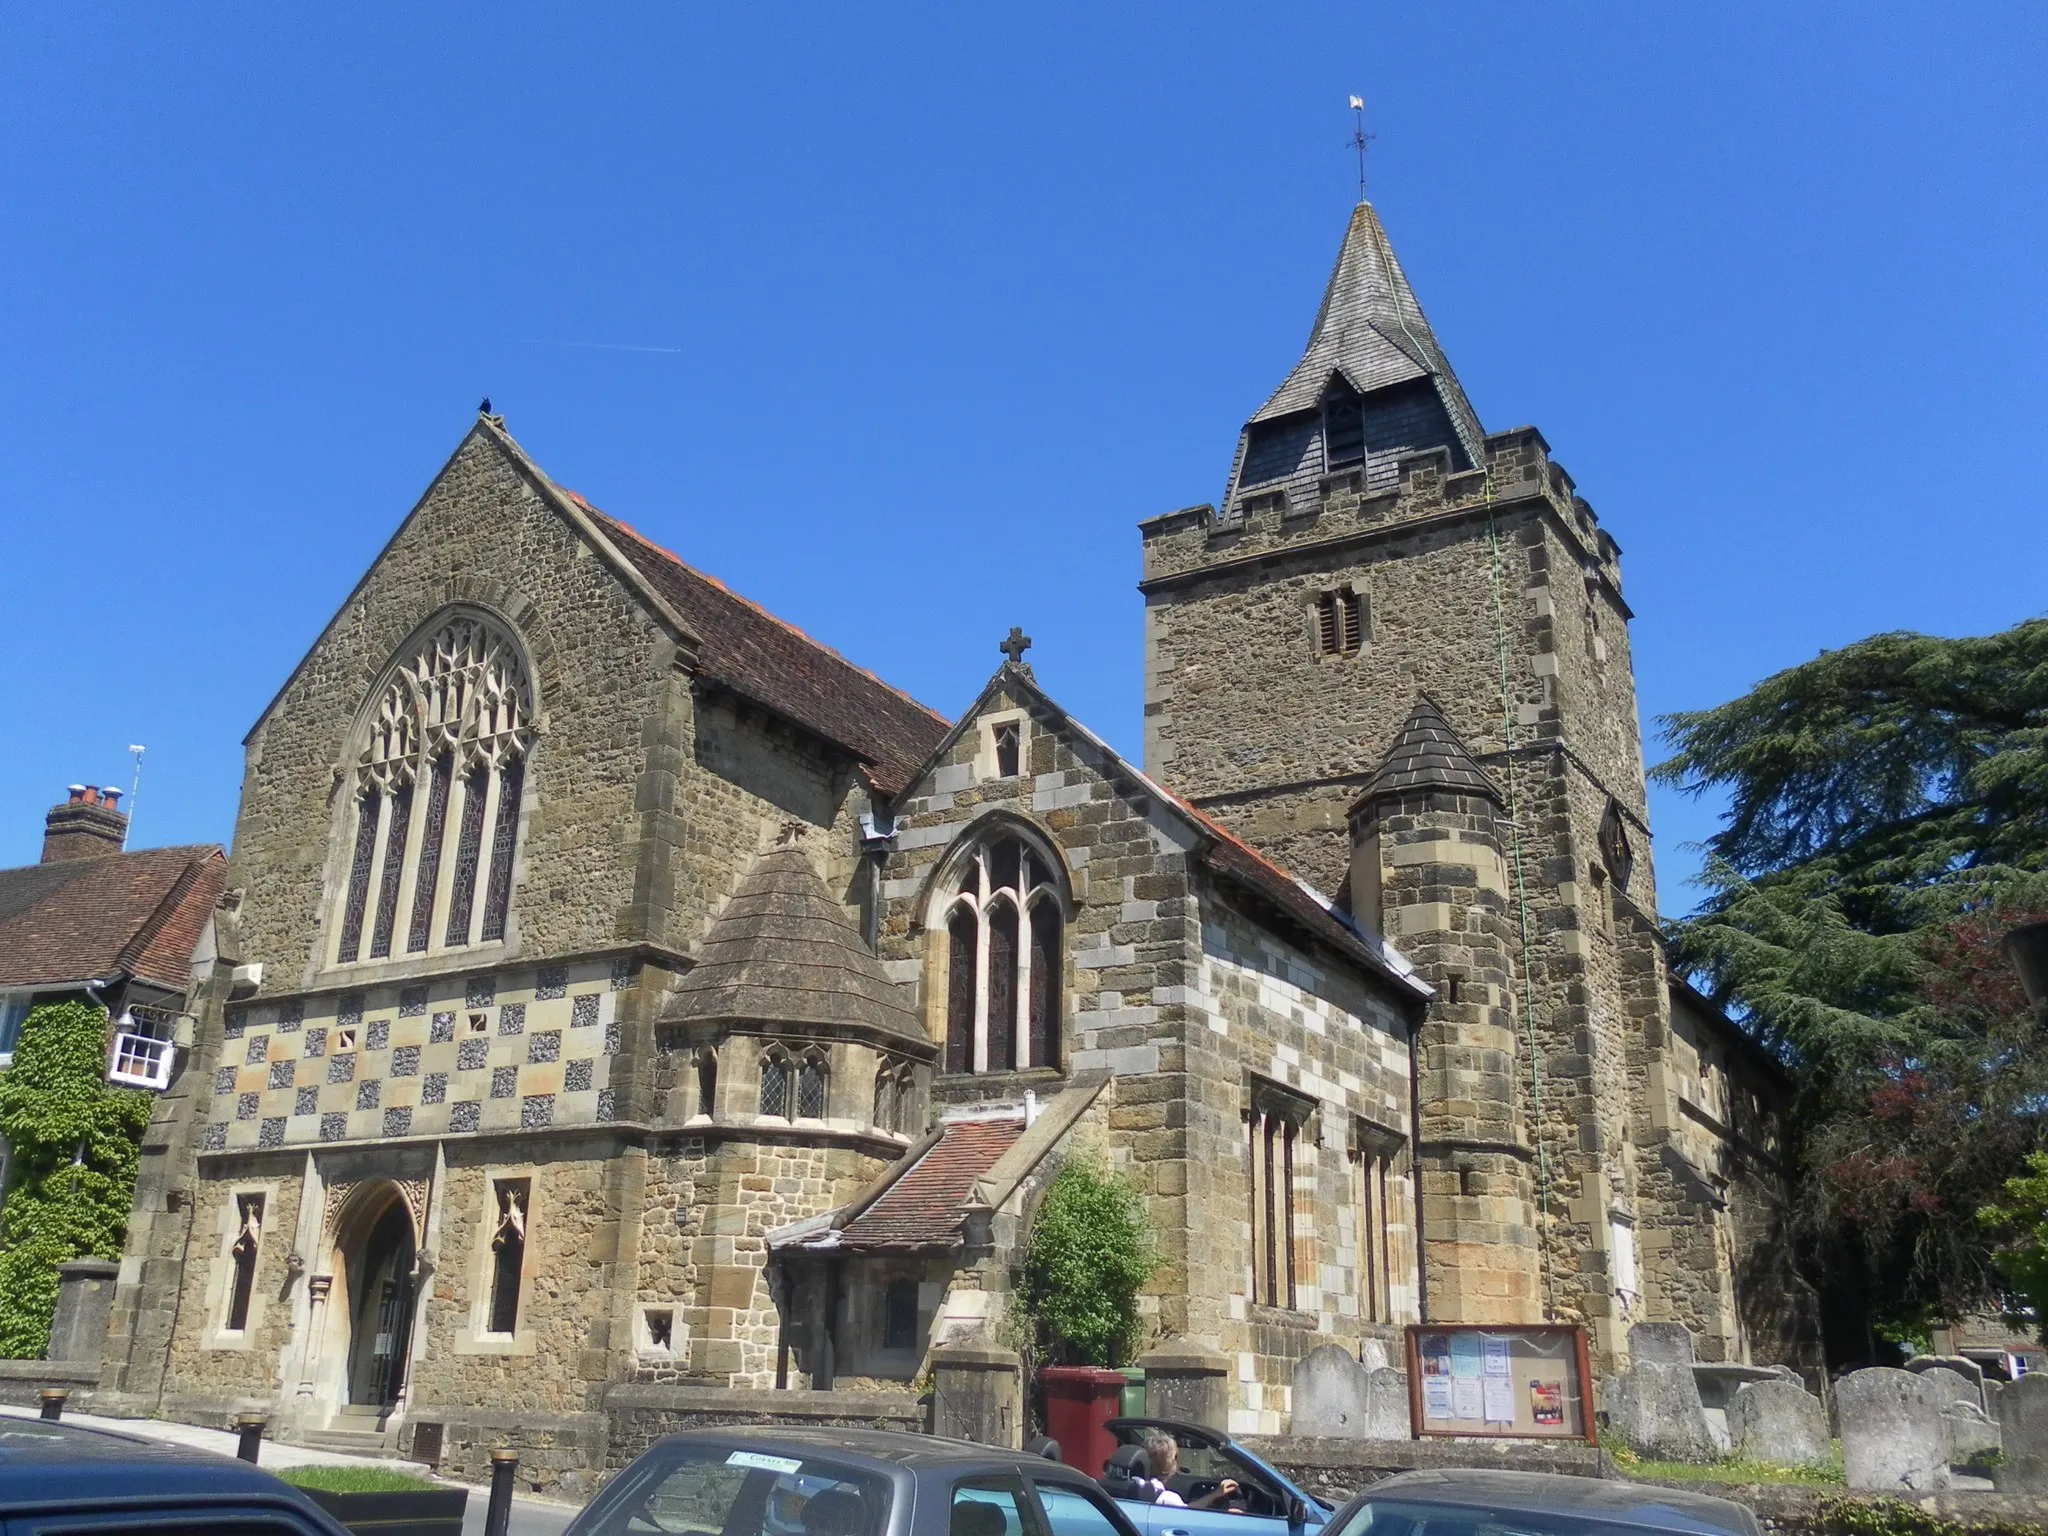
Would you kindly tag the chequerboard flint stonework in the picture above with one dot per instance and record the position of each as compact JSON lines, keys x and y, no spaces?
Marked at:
{"x":652,"y":1000}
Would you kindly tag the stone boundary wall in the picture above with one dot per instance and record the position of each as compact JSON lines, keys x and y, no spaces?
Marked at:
{"x":638,"y":1415}
{"x":22,"y":1382}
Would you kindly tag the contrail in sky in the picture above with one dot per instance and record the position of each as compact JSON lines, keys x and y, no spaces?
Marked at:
{"x":598,"y":346}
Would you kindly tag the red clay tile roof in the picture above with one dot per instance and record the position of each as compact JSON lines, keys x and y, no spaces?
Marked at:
{"x":925,"y":1206}
{"x":749,"y":650}
{"x":80,"y":919}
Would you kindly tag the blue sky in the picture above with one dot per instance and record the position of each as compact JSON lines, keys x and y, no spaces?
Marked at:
{"x":898,"y":319}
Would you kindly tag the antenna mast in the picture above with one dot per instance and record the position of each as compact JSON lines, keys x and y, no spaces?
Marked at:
{"x":134,"y":789}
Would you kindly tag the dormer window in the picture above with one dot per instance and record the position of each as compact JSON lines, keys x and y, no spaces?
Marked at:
{"x":1343,"y":426}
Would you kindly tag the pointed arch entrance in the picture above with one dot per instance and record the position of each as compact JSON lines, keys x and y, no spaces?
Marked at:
{"x":377,"y":1251}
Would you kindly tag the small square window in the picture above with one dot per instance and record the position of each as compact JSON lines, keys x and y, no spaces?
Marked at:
{"x":479,"y":1023}
{"x":345,"y":1038}
{"x":661,"y":1330}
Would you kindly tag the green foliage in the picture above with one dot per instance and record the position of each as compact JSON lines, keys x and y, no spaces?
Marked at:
{"x":1887,"y":821}
{"x":339,"y":1479}
{"x":1895,"y":1517}
{"x":2021,"y":1221}
{"x":1091,"y":1251}
{"x":76,"y":1146}
{"x":1730,"y":1469}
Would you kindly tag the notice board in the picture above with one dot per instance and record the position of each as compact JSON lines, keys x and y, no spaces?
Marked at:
{"x":1500,"y":1381}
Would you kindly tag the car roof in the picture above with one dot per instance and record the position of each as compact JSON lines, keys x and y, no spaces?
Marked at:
{"x":53,"y":1463}
{"x":1624,"y":1503}
{"x":879,"y":1449}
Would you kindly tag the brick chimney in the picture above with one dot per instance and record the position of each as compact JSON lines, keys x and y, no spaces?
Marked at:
{"x":87,"y":826}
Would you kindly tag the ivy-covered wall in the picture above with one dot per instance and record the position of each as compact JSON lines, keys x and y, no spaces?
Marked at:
{"x":76,"y":1143}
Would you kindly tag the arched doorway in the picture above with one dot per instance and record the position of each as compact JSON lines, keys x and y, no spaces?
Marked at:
{"x":380,"y":1273}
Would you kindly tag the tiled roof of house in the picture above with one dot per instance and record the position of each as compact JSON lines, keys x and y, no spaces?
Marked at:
{"x":1372,"y":330}
{"x":926,"y":1205}
{"x":82,"y":919}
{"x":783,"y":951}
{"x":1427,"y":754}
{"x":749,"y":650}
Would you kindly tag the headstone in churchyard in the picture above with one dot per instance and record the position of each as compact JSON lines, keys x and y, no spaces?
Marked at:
{"x":1331,"y":1394}
{"x":1654,"y":1406}
{"x":1387,"y":1412}
{"x":1962,"y":1365}
{"x":2023,"y":1426}
{"x":1970,"y":1430}
{"x":1660,"y":1344}
{"x":1372,"y":1354}
{"x":1951,"y":1386}
{"x":1892,"y":1433}
{"x":1778,"y":1421}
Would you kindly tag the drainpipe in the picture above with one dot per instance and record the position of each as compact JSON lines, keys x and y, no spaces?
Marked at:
{"x":1415,"y":1168}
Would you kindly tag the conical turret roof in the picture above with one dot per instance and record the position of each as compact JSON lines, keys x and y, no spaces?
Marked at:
{"x":1427,"y":754}
{"x":1371,"y":329}
{"x":783,"y":952}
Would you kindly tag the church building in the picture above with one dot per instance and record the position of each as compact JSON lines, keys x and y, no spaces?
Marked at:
{"x":625,"y":1011}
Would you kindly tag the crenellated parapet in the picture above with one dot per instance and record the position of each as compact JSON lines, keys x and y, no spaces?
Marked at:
{"x":1342,"y":510}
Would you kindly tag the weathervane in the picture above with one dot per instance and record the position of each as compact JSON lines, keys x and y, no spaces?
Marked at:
{"x":1359,"y":139}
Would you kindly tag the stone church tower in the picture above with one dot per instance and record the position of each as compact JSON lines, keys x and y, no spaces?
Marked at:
{"x":1397,"y":660}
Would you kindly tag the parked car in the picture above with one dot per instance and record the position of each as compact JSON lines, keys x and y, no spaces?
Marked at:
{"x":1266,"y":1503}
{"x":57,"y":1477}
{"x":776,"y":1481}
{"x":1475,"y":1502}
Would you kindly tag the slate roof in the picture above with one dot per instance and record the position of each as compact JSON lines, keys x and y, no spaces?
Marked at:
{"x":749,"y":650}
{"x":783,"y":952}
{"x":1427,"y":754}
{"x":926,"y":1205}
{"x":138,"y":914}
{"x":1372,"y":330}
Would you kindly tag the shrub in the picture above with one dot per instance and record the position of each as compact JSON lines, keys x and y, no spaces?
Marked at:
{"x":76,"y":1146}
{"x":1091,"y":1251}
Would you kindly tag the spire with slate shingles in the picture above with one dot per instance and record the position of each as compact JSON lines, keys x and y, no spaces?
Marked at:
{"x":1427,"y":754}
{"x":1371,"y":335}
{"x":783,"y":952}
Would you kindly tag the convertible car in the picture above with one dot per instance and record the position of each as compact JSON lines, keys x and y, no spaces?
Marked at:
{"x":1266,"y":1504}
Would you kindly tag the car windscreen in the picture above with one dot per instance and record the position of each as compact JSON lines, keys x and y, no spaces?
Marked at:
{"x":1396,"y":1517}
{"x":706,"y":1490}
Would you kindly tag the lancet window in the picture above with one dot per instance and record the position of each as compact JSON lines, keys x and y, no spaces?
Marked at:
{"x":508,"y":1254}
{"x":248,"y":1242}
{"x":436,"y":795}
{"x":1004,"y":986}
{"x":895,"y":1097}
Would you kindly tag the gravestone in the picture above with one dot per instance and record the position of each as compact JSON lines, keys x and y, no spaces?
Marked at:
{"x":1892,"y":1433}
{"x":1778,"y":1421}
{"x":1655,"y":1407}
{"x":1660,"y":1344}
{"x":1372,"y":1354}
{"x":1388,"y":1414}
{"x":2023,"y":1423}
{"x":1970,"y":1430}
{"x":1962,"y":1365}
{"x":1951,"y":1386}
{"x":1332,"y":1395}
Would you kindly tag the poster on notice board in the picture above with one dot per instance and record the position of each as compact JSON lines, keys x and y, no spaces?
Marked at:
{"x":1499,"y":1381}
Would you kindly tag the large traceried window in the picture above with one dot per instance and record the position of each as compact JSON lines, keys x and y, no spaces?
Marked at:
{"x":1003,"y":961}
{"x":436,"y":797}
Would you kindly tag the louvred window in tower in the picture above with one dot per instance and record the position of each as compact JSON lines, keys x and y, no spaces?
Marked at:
{"x":1340,"y":622}
{"x":455,"y":716}
{"x":1004,"y":960}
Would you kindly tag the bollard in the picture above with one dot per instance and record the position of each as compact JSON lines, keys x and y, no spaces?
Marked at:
{"x":498,"y":1518}
{"x":249,"y":1427}
{"x":53,"y":1401}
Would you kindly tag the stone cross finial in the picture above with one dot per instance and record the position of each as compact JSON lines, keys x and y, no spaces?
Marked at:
{"x":1016,"y":645}
{"x":792,"y":832}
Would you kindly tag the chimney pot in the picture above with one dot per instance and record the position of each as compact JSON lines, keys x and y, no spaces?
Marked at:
{"x":84,"y":826}
{"x":111,"y":799}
